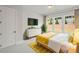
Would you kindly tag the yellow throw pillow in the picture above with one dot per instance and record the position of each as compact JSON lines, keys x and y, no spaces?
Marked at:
{"x":76,"y":37}
{"x":71,"y":39}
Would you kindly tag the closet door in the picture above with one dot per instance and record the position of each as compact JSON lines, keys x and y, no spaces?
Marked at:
{"x":11,"y":26}
{"x":2,"y":27}
{"x":7,"y":27}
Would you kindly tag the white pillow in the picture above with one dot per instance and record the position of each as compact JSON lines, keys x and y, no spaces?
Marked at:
{"x":62,"y":37}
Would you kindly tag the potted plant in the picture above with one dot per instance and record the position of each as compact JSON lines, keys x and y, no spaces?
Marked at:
{"x":43,"y":28}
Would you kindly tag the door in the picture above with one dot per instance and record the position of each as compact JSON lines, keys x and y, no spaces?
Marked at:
{"x":8,"y":27}
{"x":2,"y":27}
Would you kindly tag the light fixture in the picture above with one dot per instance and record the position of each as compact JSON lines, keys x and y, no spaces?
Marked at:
{"x":49,"y":6}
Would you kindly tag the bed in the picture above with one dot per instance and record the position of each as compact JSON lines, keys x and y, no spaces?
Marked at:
{"x":44,"y":38}
{"x":54,"y":43}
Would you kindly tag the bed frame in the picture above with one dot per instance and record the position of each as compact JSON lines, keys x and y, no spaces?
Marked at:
{"x":51,"y":50}
{"x":61,"y":50}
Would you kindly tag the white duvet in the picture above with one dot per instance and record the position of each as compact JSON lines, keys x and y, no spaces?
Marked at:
{"x":58,"y":41}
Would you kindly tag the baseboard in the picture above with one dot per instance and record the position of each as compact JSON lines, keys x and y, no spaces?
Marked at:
{"x":7,"y":45}
{"x":20,"y":42}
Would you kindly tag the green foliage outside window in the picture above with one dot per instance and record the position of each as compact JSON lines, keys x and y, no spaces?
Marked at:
{"x":65,"y":21}
{"x":56,"y":19}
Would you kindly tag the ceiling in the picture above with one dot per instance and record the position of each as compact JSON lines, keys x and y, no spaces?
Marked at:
{"x":43,"y":9}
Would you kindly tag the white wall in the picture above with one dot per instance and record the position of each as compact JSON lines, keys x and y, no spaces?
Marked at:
{"x":19,"y":25}
{"x":28,"y":14}
{"x":21,"y":22}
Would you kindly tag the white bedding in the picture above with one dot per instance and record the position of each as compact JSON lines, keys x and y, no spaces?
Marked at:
{"x":58,"y":41}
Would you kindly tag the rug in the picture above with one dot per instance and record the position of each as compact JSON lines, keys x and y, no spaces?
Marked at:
{"x":38,"y":48}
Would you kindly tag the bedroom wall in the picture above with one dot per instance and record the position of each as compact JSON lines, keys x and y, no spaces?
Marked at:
{"x":21,"y":21}
{"x":77,"y":18}
{"x":19,"y":24}
{"x":26,"y":14}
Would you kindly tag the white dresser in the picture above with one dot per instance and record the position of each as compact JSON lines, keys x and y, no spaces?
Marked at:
{"x":33,"y":32}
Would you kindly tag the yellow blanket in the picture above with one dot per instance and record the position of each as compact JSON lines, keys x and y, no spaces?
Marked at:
{"x":44,"y":38}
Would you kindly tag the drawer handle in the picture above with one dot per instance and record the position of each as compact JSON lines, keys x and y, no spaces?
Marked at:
{"x":14,"y":31}
{"x":0,"y":22}
{"x":0,"y":33}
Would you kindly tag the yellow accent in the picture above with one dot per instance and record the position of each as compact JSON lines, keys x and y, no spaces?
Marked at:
{"x":76,"y":37}
{"x":72,"y":50}
{"x":70,"y":40}
{"x":44,"y":38}
{"x":38,"y":48}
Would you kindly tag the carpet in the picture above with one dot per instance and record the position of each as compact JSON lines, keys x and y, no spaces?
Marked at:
{"x":38,"y":48}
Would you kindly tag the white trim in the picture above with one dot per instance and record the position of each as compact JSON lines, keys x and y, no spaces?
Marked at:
{"x":7,"y":46}
{"x":20,"y":42}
